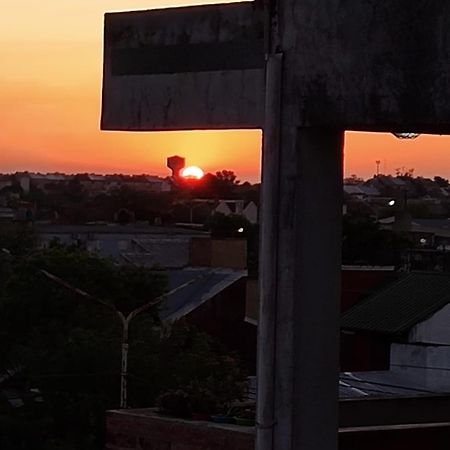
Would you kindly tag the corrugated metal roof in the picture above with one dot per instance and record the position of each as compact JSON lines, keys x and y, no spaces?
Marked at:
{"x":352,"y":189}
{"x":401,"y":305}
{"x":209,"y":283}
{"x":379,"y":384}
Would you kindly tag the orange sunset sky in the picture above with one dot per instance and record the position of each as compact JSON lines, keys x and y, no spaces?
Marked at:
{"x":50,"y":84}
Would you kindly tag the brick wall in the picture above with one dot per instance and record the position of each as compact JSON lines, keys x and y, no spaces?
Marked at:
{"x":230,"y":253}
{"x":143,"y":430}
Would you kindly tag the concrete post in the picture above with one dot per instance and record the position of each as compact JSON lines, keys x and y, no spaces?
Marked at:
{"x":124,"y":364}
{"x":268,"y":252}
{"x":304,"y":305}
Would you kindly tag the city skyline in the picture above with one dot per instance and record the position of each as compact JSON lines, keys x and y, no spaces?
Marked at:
{"x":50,"y":89}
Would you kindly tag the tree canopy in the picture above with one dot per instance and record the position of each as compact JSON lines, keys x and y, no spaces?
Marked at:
{"x":63,"y":351}
{"x":68,"y":346}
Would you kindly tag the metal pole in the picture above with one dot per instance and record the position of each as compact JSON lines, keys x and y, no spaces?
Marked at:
{"x":268,"y":252}
{"x":124,"y":320}
{"x":124,"y":365}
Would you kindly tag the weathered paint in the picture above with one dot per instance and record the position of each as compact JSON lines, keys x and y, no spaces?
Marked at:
{"x":368,"y":65}
{"x":184,"y":68}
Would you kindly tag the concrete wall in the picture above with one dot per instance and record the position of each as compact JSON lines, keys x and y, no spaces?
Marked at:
{"x":349,"y":65}
{"x":252,"y":301}
{"x":378,"y":65}
{"x":200,"y":252}
{"x":142,"y":430}
{"x":427,"y":365}
{"x":435,"y":330}
{"x":184,"y":68}
{"x":230,"y":253}
{"x":380,"y":411}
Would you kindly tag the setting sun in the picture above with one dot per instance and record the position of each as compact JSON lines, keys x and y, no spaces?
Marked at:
{"x":192,"y":172}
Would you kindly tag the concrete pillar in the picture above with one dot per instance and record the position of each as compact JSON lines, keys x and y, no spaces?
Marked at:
{"x":300,"y":291}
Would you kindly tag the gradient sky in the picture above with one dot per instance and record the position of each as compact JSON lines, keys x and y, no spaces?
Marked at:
{"x":50,"y":83}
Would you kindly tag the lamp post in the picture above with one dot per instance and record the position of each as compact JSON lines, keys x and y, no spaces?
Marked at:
{"x":125,"y":321}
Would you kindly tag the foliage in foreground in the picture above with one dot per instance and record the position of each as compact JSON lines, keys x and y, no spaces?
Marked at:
{"x":67,"y":348}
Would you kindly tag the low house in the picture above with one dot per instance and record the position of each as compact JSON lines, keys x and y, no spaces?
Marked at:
{"x":357,"y":283}
{"x":6,"y":181}
{"x":211,"y":293}
{"x":430,"y":233}
{"x":404,"y":327}
{"x":7,"y":214}
{"x":213,"y":300}
{"x":149,"y":245}
{"x":361,"y":191}
{"x":406,"y":406}
{"x":247,"y":209}
{"x":207,"y":277}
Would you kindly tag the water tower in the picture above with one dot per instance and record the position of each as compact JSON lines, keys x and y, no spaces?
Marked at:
{"x":176,"y":164}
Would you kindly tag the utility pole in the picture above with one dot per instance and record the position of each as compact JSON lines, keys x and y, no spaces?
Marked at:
{"x":125,"y":321}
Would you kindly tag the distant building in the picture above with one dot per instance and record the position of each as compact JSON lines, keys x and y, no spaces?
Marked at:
{"x":210,"y":273}
{"x":147,"y":183}
{"x":94,"y":184}
{"x":361,"y":191}
{"x":425,"y":233}
{"x":407,"y":324}
{"x":247,"y":209}
{"x":7,"y":214}
{"x":5,"y":181}
{"x":164,"y":246}
{"x":389,"y":186}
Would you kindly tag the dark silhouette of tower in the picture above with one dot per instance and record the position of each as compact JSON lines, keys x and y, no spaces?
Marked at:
{"x":176,"y":164}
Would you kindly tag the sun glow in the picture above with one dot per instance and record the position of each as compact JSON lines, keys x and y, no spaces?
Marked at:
{"x":192,"y":172}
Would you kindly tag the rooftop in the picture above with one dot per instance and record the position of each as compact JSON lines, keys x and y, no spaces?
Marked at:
{"x":204,"y":284}
{"x":401,"y":305}
{"x":115,"y":228}
{"x":379,"y":384}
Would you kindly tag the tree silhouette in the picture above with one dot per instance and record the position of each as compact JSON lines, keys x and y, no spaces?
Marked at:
{"x":227,"y":177}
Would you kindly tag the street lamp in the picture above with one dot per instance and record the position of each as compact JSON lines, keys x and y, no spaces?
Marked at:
{"x":125,"y":321}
